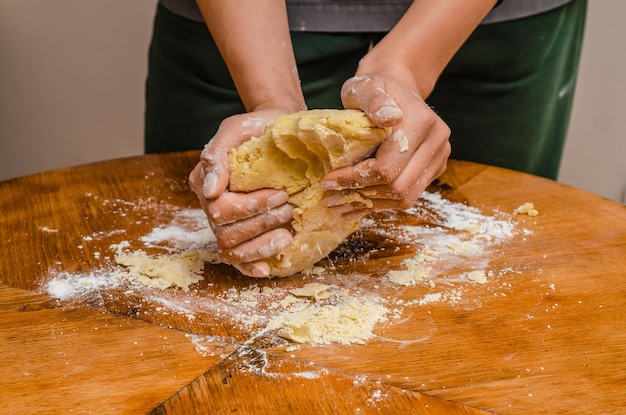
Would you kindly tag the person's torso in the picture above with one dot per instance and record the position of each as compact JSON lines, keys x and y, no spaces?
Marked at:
{"x":366,"y":15}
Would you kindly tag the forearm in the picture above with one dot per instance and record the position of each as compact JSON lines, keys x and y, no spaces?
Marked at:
{"x":253,"y":38}
{"x":418,"y":48}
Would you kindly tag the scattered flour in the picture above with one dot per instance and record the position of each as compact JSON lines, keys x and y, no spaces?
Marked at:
{"x":461,"y":217}
{"x":193,"y":242}
{"x":463,"y":238}
{"x":66,"y":285}
{"x":453,"y":238}
{"x":189,"y":230}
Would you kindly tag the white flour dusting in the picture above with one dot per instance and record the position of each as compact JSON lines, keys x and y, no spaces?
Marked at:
{"x":453,"y":244}
{"x":67,"y":286}
{"x":189,"y":230}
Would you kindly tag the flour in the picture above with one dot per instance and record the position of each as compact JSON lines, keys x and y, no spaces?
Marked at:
{"x":452,"y":247}
{"x":188,"y":230}
{"x":67,"y":285}
{"x":455,"y":250}
{"x":458,"y":216}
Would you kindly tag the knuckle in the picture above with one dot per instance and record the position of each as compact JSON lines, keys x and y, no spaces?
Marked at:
{"x":403,"y":196}
{"x":387,"y":173}
{"x":405,"y":203}
{"x":229,"y":256}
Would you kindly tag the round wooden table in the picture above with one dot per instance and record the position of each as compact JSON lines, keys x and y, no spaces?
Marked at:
{"x":543,"y":333}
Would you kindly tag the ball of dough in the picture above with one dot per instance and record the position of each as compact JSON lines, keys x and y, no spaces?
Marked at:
{"x":293,"y":154}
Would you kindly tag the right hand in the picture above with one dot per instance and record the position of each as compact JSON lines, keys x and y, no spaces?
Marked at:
{"x":249,"y":227}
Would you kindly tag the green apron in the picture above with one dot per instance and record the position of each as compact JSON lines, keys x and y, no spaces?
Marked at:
{"x":506,"y":95}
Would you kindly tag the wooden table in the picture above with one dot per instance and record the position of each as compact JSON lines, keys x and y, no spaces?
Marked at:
{"x":546,"y":334}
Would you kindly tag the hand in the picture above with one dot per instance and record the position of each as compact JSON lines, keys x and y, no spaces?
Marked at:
{"x":414,"y":154}
{"x":248,"y":226}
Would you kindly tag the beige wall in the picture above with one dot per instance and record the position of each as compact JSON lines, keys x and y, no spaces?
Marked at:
{"x":595,"y":154}
{"x":72,"y":74}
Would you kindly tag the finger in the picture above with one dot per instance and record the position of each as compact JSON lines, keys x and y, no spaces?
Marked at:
{"x":425,"y":164}
{"x":196,"y":178}
{"x":238,"y":232}
{"x":407,"y":188}
{"x":393,"y":156}
{"x":351,"y":210}
{"x":215,"y":170}
{"x":402,"y":192}
{"x":231,"y":206}
{"x":257,"y":269}
{"x":265,"y":246}
{"x":369,"y":94}
{"x":357,"y":214}
{"x":232,"y":132}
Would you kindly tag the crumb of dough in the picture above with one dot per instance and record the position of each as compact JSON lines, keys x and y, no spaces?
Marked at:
{"x":347,"y":319}
{"x":299,"y":149}
{"x":314,"y":290}
{"x":470,"y":227}
{"x":323,"y":314}
{"x":174,"y":270}
{"x":316,"y":270}
{"x":463,"y":247}
{"x":287,"y":301}
{"x":415,"y":269}
{"x":478,"y":277}
{"x":414,"y":273}
{"x":527,"y":208}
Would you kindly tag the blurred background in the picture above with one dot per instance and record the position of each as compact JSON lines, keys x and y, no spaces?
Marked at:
{"x":72,"y":76}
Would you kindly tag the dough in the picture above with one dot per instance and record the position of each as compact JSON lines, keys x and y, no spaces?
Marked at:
{"x":341,"y":318}
{"x":350,"y":321}
{"x":293,"y":154}
{"x":176,"y":270}
{"x":527,"y":208}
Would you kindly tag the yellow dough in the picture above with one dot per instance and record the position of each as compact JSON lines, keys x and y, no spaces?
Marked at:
{"x":293,"y":154}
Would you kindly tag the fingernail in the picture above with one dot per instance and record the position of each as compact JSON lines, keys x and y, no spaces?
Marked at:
{"x":331,"y":185}
{"x":284,"y":213}
{"x":209,"y":185}
{"x":357,"y":214}
{"x":341,"y":209}
{"x":281,"y":240}
{"x":259,"y":271}
{"x":389,"y":112}
{"x":277,"y":199}
{"x":277,"y":243}
{"x":331,"y":200}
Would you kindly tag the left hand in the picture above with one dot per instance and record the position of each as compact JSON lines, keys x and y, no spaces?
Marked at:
{"x":414,"y":154}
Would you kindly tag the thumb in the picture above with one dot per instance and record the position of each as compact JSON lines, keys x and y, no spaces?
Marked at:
{"x":370,"y":95}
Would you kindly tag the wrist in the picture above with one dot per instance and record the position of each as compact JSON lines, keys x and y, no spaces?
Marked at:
{"x":287,"y":102}
{"x":370,"y":66}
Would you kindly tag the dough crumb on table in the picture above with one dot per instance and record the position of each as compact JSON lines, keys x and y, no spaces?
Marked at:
{"x":299,"y":149}
{"x":178,"y":270}
{"x":340,"y":318}
{"x":527,"y":208}
{"x":478,"y":276}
